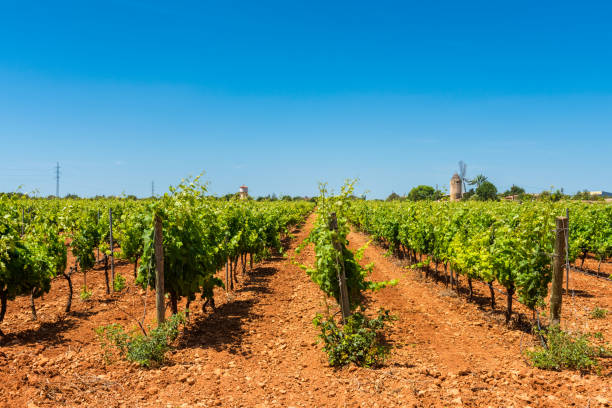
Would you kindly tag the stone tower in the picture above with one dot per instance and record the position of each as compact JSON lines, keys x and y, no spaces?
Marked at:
{"x":244,"y":192}
{"x":455,"y":188}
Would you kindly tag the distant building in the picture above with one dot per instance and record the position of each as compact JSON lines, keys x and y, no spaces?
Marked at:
{"x":455,"y":188}
{"x":600,"y":193}
{"x":244,"y":192}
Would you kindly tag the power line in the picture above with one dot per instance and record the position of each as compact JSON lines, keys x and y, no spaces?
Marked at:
{"x":57,"y":168}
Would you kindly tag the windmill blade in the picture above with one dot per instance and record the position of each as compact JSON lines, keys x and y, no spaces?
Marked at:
{"x":462,"y":169}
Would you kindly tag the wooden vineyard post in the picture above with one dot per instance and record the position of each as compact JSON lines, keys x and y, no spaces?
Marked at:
{"x":567,"y":265}
{"x":159,"y":272}
{"x":227,"y":277}
{"x":344,"y":298}
{"x":557,"y":278}
{"x":106,"y":274}
{"x":98,"y":253}
{"x":112,"y":252}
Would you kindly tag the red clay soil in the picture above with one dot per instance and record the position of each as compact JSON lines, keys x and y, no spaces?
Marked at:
{"x":470,"y":357}
{"x":594,"y":267}
{"x":259,"y":347}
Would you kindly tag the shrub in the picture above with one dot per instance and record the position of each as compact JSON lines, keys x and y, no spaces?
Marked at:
{"x":598,"y":313}
{"x":118,"y":283}
{"x":359,"y":341}
{"x":85,"y":294}
{"x":566,"y":351}
{"x":146,"y":350}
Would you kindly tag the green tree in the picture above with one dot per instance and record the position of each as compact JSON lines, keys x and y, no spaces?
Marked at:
{"x":558,"y":195}
{"x":393,"y":196}
{"x":230,"y":196}
{"x":514,"y":190}
{"x":486,"y":191}
{"x":582,"y":195}
{"x":550,"y":195}
{"x":468,"y":194}
{"x":478,"y":180}
{"x":423,"y":192}
{"x":544,"y":195}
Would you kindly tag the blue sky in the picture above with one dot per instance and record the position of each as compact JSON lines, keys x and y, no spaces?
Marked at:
{"x":280,"y":95}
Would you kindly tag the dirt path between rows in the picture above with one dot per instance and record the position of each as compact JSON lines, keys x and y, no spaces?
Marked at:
{"x":469,"y":355}
{"x":258,"y":349}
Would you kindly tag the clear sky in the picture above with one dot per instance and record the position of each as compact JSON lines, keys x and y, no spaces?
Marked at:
{"x":280,"y":95}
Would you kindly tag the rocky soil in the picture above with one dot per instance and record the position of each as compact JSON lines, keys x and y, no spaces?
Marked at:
{"x":259,"y":349}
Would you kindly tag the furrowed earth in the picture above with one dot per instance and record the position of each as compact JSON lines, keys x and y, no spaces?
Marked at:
{"x":259,"y":347}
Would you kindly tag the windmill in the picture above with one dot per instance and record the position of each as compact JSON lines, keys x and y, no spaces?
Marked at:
{"x":462,"y":172}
